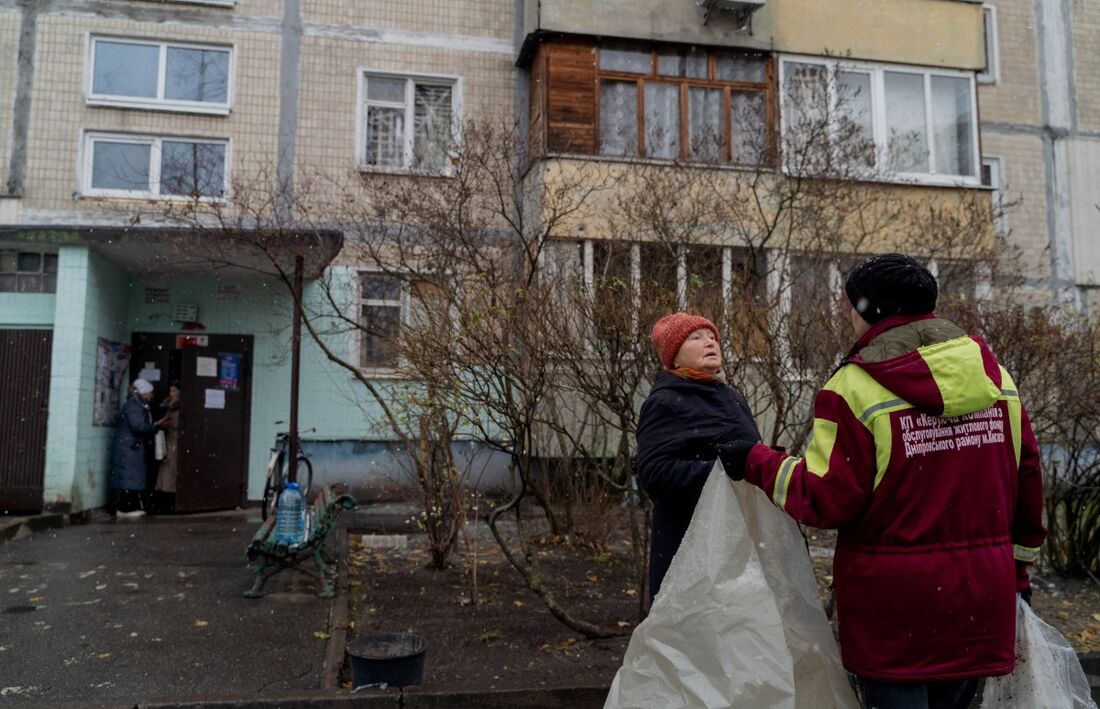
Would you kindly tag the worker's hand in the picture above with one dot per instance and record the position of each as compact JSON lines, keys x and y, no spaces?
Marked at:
{"x":1026,"y":595}
{"x":733,"y":456}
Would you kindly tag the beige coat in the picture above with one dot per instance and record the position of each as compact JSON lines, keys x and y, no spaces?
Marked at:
{"x":166,"y":475}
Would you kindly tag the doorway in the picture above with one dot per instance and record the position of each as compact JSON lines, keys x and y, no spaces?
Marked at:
{"x":25,"y":393}
{"x":214,"y":374}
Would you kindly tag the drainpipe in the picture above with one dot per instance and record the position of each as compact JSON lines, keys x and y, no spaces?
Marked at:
{"x":295,"y":369}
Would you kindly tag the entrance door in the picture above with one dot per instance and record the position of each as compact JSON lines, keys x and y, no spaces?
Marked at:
{"x":25,"y":393}
{"x":214,"y":373}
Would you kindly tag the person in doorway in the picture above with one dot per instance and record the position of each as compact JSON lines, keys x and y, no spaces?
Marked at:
{"x":129,"y":459}
{"x":166,"y":472}
{"x":922,"y":455}
{"x":689,"y":409}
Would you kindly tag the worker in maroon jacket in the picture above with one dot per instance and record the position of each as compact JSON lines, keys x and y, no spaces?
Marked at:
{"x":923,"y":457}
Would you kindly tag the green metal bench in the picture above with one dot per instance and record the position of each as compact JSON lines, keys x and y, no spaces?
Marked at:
{"x":275,"y":556}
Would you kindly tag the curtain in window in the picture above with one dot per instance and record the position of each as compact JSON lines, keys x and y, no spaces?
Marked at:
{"x":706,"y":139}
{"x":749,"y":114}
{"x":385,"y":136}
{"x":432,"y":115}
{"x":619,"y":118}
{"x":662,"y":120}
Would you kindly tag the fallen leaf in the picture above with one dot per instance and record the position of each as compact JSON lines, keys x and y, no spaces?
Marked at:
{"x":321,"y":635}
{"x":36,"y":599}
{"x":201,"y":623}
{"x":569,"y":642}
{"x":517,"y":603}
{"x":1096,"y":616}
{"x":545,"y":647}
{"x":103,"y":655}
{"x":622,"y":624}
{"x":630,"y":592}
{"x":351,"y":625}
{"x":593,"y":577}
{"x":1063,"y":614}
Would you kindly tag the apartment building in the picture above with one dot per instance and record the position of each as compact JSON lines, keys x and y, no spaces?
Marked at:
{"x":110,"y":106}
{"x":1040,"y":115}
{"x":114,"y":103}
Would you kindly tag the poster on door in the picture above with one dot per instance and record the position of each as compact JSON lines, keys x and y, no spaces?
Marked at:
{"x":111,"y":361}
{"x":229,"y":371}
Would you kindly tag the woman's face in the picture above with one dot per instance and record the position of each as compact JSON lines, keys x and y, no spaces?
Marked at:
{"x":173,"y":394}
{"x":700,"y":351}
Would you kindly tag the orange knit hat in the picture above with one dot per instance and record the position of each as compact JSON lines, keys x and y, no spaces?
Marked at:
{"x":670,"y":332}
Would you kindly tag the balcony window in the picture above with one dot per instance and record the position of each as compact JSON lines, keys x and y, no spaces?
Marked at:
{"x":688,"y":104}
{"x":879,"y":121}
{"x":168,"y":76}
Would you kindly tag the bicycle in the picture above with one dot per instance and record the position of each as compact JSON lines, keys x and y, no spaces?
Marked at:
{"x":275,"y":484}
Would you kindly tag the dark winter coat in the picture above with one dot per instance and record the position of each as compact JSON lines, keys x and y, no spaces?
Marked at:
{"x":681,"y":420}
{"x":132,"y":437}
{"x":923,"y":456}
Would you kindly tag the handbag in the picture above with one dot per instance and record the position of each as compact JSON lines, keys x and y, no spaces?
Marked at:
{"x":160,"y":446}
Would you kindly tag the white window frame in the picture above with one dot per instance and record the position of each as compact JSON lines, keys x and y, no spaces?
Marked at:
{"x":154,"y":141}
{"x":363,"y":75}
{"x":878,"y":71}
{"x":159,"y":103}
{"x":992,"y":73}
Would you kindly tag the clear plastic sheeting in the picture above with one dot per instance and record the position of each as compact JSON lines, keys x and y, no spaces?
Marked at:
{"x":738,"y":621}
{"x":1047,"y":674}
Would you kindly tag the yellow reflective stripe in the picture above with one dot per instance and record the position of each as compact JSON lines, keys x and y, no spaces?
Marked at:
{"x":884,"y":446}
{"x":1028,"y":555}
{"x":782,"y":481}
{"x":1015,"y":412}
{"x":865,"y":397}
{"x":820,"y":447}
{"x":953,"y":364}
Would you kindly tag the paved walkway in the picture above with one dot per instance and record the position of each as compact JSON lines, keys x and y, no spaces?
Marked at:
{"x":113,"y":613}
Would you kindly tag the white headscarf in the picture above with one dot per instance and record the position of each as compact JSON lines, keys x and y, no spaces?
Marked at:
{"x":142,"y":387}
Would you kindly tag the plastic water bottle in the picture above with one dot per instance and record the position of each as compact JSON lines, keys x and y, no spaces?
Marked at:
{"x":290,"y":516}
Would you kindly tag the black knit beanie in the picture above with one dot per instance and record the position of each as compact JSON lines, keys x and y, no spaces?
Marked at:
{"x":891,"y":284}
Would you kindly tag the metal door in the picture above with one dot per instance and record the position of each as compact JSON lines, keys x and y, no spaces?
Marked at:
{"x":215,"y":380}
{"x":24,"y":408}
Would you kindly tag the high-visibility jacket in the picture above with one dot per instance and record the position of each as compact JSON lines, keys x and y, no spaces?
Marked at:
{"x":923,"y":457}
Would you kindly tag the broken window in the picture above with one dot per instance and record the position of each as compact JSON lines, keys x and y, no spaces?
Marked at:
{"x":408,"y":124}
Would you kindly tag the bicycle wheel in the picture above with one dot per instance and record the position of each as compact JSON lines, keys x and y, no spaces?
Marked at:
{"x":305,"y":475}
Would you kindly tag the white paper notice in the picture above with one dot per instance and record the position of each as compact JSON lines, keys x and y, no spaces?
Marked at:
{"x":206,"y":367}
{"x":150,"y":375}
{"x":215,"y":398}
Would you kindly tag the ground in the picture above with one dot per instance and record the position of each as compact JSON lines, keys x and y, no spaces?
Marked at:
{"x":510,"y":640}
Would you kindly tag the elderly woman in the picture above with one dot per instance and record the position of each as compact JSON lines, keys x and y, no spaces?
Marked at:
{"x":133,"y":436}
{"x":689,"y":410}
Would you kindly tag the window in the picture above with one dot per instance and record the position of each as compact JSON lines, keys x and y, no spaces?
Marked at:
{"x":408,"y":123}
{"x":388,"y":303}
{"x":992,"y":73}
{"x":146,"y":166}
{"x":160,"y":75}
{"x":993,"y":176}
{"x":673,"y":103}
{"x":28,"y":272}
{"x":382,"y":301}
{"x":915,"y":124}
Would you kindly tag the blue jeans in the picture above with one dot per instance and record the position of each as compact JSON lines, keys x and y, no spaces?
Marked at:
{"x":954,"y":694}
